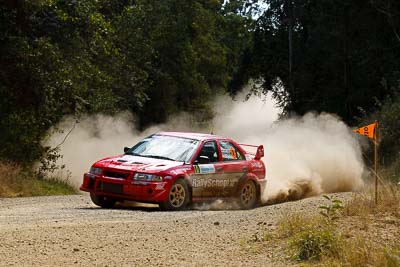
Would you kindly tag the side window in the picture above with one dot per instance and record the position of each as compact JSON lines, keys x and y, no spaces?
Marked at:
{"x":209,"y":150}
{"x":230,"y":152}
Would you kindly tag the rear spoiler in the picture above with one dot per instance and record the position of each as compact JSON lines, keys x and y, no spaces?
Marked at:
{"x":260,"y":151}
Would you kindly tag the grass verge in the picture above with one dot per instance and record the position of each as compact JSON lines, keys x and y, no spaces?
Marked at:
{"x":356,"y":233}
{"x":15,"y":182}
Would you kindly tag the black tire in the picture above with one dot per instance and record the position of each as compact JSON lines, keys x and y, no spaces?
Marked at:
{"x":102,"y":201}
{"x":248,"y":195}
{"x":178,"y":196}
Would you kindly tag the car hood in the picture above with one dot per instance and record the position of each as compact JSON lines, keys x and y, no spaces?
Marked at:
{"x":136,"y":163}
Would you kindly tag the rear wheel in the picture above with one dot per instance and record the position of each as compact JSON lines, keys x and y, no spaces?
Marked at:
{"x":248,"y":195}
{"x":102,"y":201}
{"x":178,"y":196}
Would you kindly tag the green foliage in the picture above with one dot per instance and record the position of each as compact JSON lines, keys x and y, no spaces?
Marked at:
{"x":54,"y":57}
{"x":63,"y":57}
{"x":48,"y":187}
{"x":48,"y":162}
{"x":60,"y":57}
{"x":313,"y":244}
{"x":332,"y":210}
{"x":341,"y":52}
{"x":392,"y":256}
{"x":192,"y":61}
{"x":292,"y":224}
{"x":388,"y":116}
{"x":15,"y":181}
{"x":312,"y":238}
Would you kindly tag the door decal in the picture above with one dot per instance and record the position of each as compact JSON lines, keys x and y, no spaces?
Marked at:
{"x":204,"y":169}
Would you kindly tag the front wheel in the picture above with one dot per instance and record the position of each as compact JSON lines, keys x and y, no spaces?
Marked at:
{"x":102,"y":201}
{"x":178,"y":196}
{"x":248,"y":195}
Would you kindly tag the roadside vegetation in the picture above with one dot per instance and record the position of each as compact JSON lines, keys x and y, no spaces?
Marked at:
{"x":356,"y":233}
{"x":72,"y":58}
{"x":16,"y":182}
{"x":388,"y":116}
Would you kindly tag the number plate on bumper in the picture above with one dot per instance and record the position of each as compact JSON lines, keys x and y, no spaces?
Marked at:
{"x":110,"y":188}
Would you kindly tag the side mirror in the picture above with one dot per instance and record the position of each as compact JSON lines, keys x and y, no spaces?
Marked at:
{"x":203,"y":160}
{"x":260,"y":152}
{"x":126,"y":149}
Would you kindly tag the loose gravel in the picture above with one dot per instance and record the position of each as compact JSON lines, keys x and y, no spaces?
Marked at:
{"x":71,"y":231}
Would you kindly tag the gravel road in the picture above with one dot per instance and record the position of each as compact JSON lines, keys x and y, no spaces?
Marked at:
{"x":70,"y":230}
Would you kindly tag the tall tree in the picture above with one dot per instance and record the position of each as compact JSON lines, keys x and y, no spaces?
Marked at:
{"x":197,"y":48}
{"x":342,"y":52}
{"x":69,"y":57}
{"x":60,"y":58}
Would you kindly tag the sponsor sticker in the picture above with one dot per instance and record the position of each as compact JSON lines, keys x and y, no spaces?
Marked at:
{"x":160,"y":187}
{"x":205,"y":168}
{"x":256,"y":165}
{"x":212,"y":182}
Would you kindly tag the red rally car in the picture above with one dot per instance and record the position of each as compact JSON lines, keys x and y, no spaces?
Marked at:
{"x":175,"y":169}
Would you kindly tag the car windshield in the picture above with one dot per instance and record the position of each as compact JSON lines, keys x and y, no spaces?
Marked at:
{"x":165,"y":147}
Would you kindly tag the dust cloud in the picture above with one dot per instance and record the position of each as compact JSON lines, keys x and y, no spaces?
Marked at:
{"x":93,"y":137}
{"x":305,"y":156}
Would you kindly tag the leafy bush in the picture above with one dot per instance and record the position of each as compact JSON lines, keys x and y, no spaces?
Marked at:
{"x":313,"y":244}
{"x":333,"y":210}
{"x":310,"y":237}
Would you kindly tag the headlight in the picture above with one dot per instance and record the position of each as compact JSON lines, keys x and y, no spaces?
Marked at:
{"x":95,"y":170}
{"x":147,"y":177}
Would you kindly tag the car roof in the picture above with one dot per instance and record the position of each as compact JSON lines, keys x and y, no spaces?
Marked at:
{"x":197,"y":136}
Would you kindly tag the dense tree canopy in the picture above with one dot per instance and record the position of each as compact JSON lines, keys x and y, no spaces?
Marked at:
{"x":333,"y":56}
{"x":156,"y":58}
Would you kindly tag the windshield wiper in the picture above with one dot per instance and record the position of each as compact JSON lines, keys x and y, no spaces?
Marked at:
{"x":156,"y":157}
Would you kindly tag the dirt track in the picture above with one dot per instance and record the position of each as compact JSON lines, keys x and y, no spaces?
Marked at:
{"x":70,"y":230}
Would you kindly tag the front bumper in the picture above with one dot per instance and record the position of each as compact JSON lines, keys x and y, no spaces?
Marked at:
{"x":125,"y":189}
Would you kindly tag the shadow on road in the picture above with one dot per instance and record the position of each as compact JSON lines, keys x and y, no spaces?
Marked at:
{"x":145,"y":207}
{"x":134,"y":206}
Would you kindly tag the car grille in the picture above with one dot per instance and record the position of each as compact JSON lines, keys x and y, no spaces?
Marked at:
{"x":110,"y":188}
{"x":91,"y":183}
{"x":113,"y":174}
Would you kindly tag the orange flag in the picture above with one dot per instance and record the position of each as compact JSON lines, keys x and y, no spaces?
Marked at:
{"x":368,"y":130}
